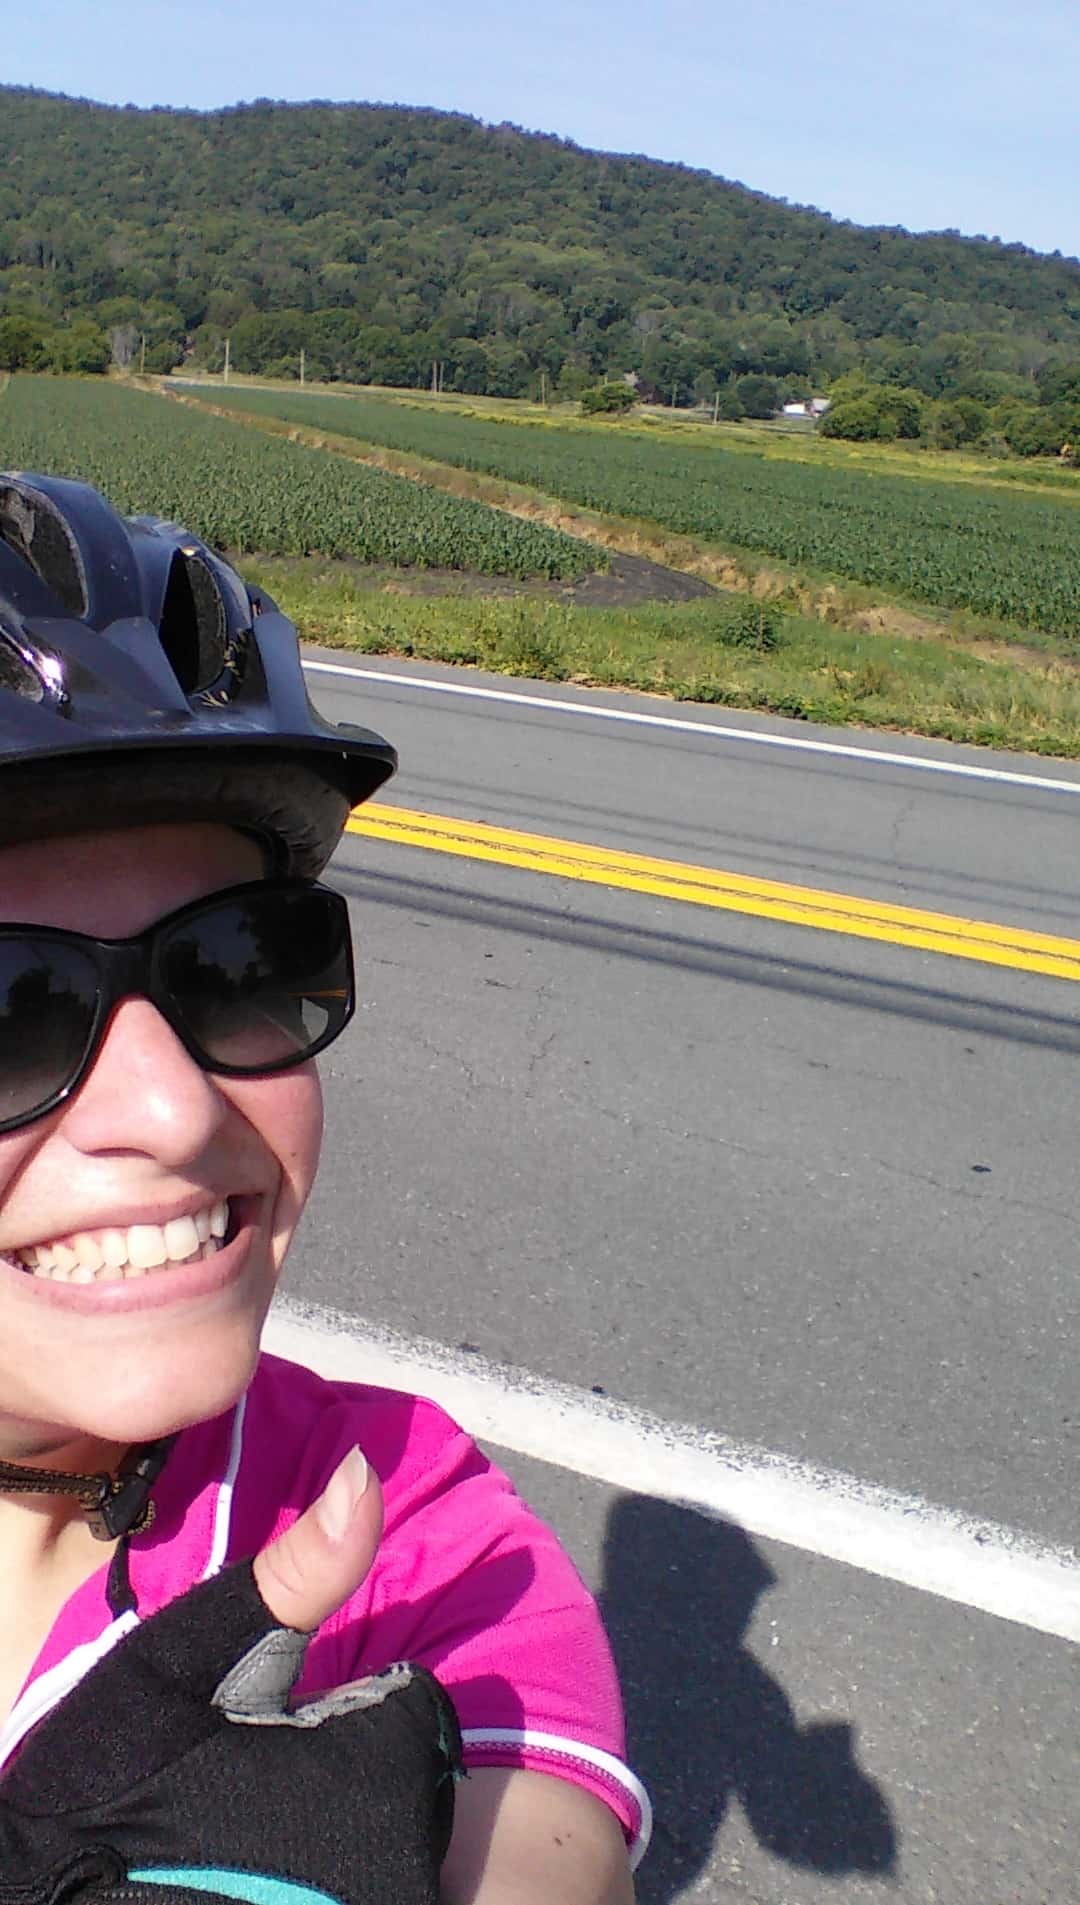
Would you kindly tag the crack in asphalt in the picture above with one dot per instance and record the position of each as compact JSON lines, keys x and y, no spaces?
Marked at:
{"x":900,"y":820}
{"x":997,"y":1198}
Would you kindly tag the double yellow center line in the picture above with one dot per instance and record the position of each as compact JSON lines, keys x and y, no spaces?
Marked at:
{"x":984,"y":940}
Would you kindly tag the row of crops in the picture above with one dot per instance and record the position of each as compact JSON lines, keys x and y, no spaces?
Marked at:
{"x":251,"y":493}
{"x":1015,"y":558}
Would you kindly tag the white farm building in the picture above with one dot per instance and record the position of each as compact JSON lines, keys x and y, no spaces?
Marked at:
{"x":814,"y":407}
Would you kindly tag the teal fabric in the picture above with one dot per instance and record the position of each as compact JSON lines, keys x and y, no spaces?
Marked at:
{"x":246,"y":1886}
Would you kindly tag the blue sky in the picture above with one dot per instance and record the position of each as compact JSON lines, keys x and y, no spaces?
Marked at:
{"x":929,"y":113}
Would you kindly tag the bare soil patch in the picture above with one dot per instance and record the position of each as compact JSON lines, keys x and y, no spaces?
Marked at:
{"x":632,"y":579}
{"x":627,"y":582}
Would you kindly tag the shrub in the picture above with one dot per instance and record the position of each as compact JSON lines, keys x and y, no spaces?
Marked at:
{"x":752,"y":624}
{"x":876,"y":413}
{"x":81,"y":348}
{"x":609,"y":399}
{"x":23,"y":342}
{"x":519,"y":639}
{"x":1029,"y":429}
{"x":163,"y":357}
{"x":959,"y":420}
{"x":759,"y":395}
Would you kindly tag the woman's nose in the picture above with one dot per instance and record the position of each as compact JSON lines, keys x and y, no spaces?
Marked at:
{"x":145,"y":1093}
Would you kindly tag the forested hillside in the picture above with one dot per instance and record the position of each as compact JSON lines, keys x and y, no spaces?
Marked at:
{"x":382,"y":240}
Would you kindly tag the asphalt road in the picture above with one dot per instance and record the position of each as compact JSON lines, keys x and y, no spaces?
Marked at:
{"x":809,"y":1190}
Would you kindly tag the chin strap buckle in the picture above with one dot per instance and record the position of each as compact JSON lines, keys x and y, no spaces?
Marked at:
{"x":114,"y":1505}
{"x":121,"y":1504}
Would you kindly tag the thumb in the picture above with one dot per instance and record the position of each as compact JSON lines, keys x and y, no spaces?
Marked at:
{"x":309,"y":1571}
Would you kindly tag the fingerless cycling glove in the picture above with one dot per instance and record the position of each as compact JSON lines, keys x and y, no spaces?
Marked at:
{"x":176,"y":1774}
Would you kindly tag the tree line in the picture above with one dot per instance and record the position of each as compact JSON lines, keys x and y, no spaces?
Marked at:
{"x":403,"y":247}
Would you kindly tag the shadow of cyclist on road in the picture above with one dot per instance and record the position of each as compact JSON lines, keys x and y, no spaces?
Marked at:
{"x":707,"y":1723}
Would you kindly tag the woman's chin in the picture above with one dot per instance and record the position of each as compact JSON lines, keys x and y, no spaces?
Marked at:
{"x":141,"y":1405}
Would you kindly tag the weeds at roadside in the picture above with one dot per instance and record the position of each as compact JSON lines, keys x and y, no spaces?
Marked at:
{"x":752,"y":624}
{"x":740,"y":654}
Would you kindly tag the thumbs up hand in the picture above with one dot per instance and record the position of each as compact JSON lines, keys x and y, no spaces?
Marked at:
{"x":178,"y":1753}
{"x":311,"y":1570}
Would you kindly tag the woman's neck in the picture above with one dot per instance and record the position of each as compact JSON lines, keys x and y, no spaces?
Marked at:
{"x":38,"y":1521}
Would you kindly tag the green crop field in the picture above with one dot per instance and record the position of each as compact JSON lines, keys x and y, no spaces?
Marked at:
{"x":292,"y":508}
{"x":251,"y":493}
{"x":1010,"y":558}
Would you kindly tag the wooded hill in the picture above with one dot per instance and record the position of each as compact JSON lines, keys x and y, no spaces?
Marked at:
{"x":382,"y":239}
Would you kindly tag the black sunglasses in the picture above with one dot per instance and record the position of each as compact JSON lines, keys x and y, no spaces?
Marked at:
{"x":252,"y":980}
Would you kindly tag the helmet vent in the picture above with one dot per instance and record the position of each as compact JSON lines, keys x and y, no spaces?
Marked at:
{"x":194,"y":626}
{"x":32,"y":525}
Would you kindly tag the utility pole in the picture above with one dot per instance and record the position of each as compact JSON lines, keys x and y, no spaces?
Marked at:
{"x":142,"y":355}
{"x":301,"y":364}
{"x":674,"y":394}
{"x":716,"y":407}
{"x":543,"y":388}
{"x":225,"y":378}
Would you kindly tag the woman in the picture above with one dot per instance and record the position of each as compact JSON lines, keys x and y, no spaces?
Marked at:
{"x":168,"y":972}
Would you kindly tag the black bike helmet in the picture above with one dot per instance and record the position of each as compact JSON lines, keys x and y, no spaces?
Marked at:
{"x":141,"y":680}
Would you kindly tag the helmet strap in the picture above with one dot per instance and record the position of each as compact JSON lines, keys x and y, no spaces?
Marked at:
{"x":114,"y":1505}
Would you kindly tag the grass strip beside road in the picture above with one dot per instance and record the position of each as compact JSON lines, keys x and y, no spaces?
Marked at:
{"x":985,"y":941}
{"x":692,"y":651}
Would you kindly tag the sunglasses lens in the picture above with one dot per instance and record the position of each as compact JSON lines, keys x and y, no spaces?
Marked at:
{"x":262,"y":981}
{"x":48,"y":996}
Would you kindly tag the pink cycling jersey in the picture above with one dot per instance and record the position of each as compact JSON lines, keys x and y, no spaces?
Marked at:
{"x":467,"y":1580}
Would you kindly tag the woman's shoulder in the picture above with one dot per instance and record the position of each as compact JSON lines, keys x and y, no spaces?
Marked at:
{"x":468,"y":1581}
{"x":298,"y":1424}
{"x":294,"y":1394}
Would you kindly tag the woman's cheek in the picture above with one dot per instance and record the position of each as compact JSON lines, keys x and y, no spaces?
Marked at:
{"x":16,"y":1151}
{"x":287,"y":1114}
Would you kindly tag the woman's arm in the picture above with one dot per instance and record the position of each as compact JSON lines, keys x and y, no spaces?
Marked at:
{"x":523,"y":1838}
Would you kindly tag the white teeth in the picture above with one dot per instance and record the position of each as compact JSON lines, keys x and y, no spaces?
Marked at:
{"x":109,"y":1255}
{"x":87,"y":1252}
{"x":146,"y":1247}
{"x":181,"y":1239}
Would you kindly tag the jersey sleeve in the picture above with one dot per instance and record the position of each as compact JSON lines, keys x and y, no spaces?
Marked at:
{"x":472,"y":1584}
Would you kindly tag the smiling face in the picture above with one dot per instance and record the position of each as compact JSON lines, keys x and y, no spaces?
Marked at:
{"x":148,"y":1140}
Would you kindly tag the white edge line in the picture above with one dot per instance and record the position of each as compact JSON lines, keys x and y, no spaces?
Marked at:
{"x":757,"y":738}
{"x":900,"y":1538}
